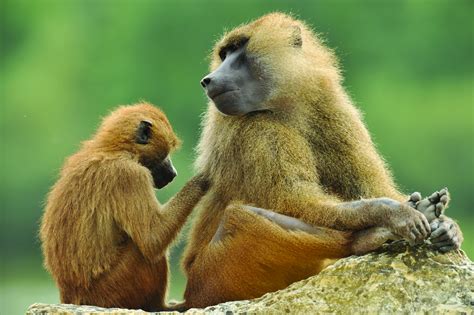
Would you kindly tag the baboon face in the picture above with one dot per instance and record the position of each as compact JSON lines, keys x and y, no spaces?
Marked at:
{"x":163,"y":172}
{"x":238,"y":86}
{"x":254,"y":65}
{"x":144,"y":131}
{"x":155,"y":153}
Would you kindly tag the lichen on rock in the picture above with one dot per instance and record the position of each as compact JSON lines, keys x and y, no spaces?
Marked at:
{"x":395,"y":279}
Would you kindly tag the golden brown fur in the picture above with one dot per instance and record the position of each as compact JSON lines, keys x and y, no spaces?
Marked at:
{"x":304,"y":159}
{"x":104,"y":233}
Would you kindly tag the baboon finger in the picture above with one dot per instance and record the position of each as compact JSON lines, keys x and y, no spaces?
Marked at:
{"x":446,"y":249}
{"x":427,"y":227}
{"x":444,"y":243}
{"x":411,"y":239}
{"x":415,"y":197}
{"x":444,"y":199}
{"x":434,"y":225}
{"x":422,"y":232}
{"x":439,"y":209}
{"x":441,"y":238}
{"x":438,"y":232}
{"x":417,"y":233}
{"x":434,"y":198}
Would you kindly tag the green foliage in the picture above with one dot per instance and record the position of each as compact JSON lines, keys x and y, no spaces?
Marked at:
{"x":65,"y":64}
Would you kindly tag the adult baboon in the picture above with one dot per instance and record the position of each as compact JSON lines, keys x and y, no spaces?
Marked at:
{"x":282,"y":141}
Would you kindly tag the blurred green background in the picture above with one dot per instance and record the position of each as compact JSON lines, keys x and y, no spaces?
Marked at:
{"x":66,"y":64}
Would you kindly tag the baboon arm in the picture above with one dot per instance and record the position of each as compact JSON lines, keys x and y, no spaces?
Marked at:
{"x":175,"y":212}
{"x":137,"y":211}
{"x":316,"y":208}
{"x":308,"y":203}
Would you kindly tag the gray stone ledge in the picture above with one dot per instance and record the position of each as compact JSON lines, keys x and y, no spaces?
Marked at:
{"x":395,"y":279}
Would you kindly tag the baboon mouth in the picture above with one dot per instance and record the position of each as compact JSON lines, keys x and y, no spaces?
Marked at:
{"x":258,"y":111}
{"x":160,"y":182}
{"x":213,"y":95}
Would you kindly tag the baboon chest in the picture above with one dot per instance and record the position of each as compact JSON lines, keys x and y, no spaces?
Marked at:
{"x":258,"y":161}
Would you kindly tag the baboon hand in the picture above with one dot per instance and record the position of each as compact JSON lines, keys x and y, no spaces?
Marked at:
{"x":408,"y":224}
{"x":433,"y":206}
{"x":202,"y":181}
{"x":446,"y":235}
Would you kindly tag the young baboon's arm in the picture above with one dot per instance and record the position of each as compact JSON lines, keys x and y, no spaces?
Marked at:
{"x":137,"y":211}
{"x":178,"y":208}
{"x":308,"y":203}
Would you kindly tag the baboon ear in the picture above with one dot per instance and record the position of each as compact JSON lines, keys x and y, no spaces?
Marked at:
{"x":143,"y":132}
{"x":296,"y":39}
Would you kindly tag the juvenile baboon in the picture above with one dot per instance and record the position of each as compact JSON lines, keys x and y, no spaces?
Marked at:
{"x":104,"y":234}
{"x":296,"y":176}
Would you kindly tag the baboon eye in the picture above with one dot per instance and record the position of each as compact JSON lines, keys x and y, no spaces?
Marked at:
{"x":222,"y":54}
{"x":225,"y":50}
{"x":232,"y":47}
{"x":143,"y":134}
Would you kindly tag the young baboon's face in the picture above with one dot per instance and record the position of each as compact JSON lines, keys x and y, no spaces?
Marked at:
{"x":154,"y":148}
{"x":253,"y":64}
{"x":144,"y":131}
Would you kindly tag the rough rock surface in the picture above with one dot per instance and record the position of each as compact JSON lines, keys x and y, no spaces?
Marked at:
{"x":395,"y":279}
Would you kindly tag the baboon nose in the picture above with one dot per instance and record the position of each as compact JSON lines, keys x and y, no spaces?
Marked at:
{"x":205,"y":82}
{"x":173,"y":173}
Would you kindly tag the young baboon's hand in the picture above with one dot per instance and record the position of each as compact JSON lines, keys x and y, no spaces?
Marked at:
{"x":409,"y":224}
{"x":433,"y":206}
{"x":202,"y":181}
{"x":445,"y":235}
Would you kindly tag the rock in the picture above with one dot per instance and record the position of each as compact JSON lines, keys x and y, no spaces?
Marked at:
{"x":395,"y":279}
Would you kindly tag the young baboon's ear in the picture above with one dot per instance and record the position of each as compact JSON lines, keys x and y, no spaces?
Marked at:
{"x":296,"y":39}
{"x":143,"y":132}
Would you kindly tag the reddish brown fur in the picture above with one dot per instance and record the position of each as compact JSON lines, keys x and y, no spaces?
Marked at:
{"x":104,"y":233}
{"x":312,"y":153}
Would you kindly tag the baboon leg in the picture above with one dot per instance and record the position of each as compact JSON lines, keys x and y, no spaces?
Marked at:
{"x":370,"y":239}
{"x":252,"y":254}
{"x":133,"y":283}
